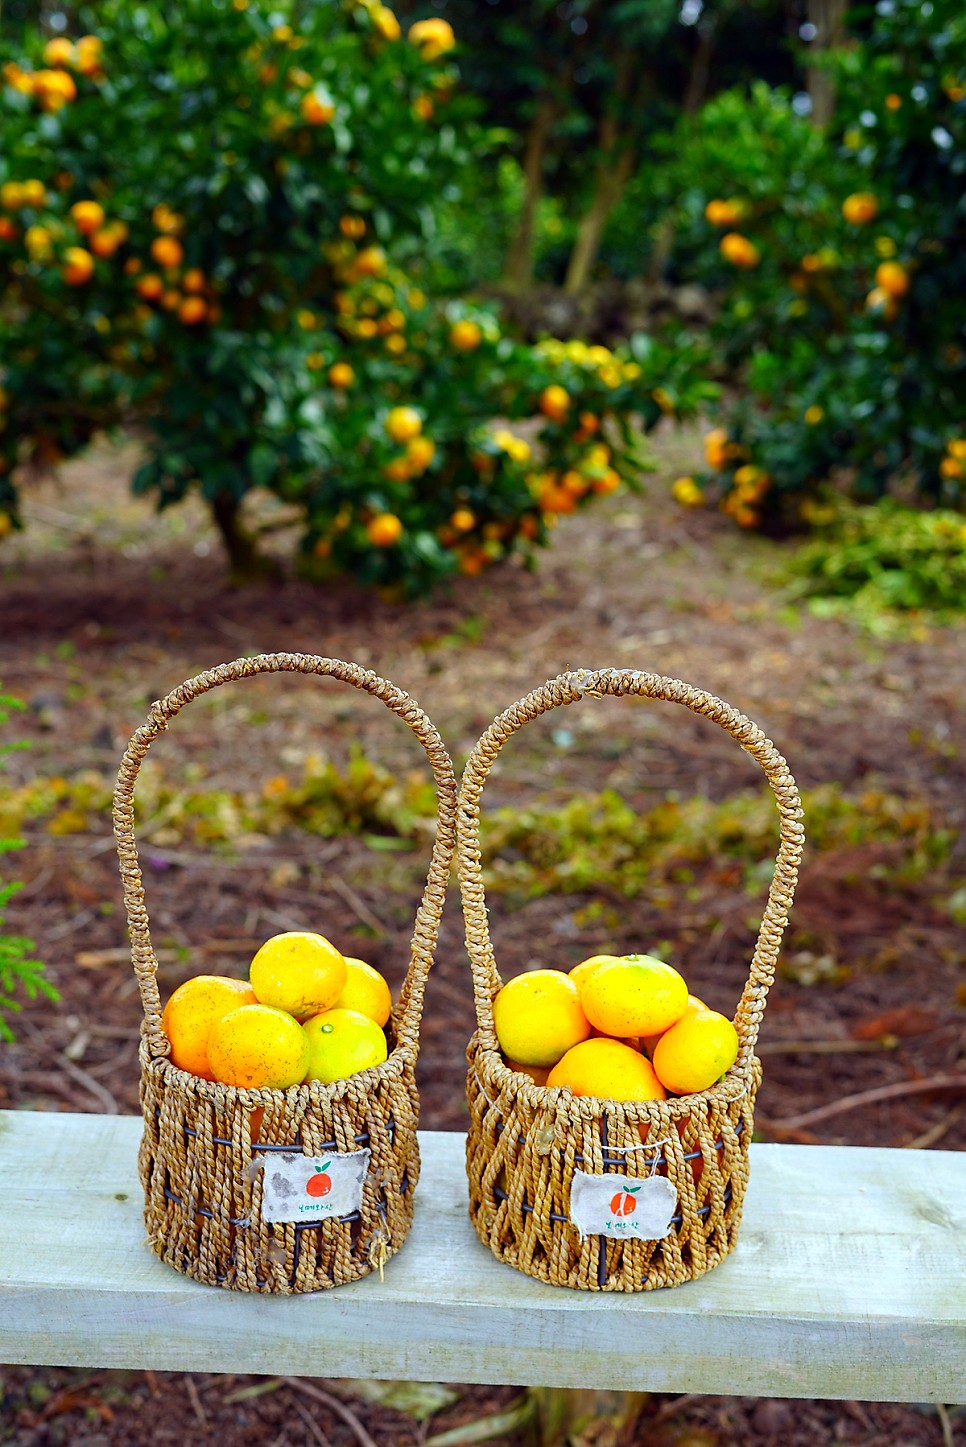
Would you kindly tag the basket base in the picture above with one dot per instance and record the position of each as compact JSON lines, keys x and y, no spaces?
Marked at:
{"x":201,"y":1160}
{"x":522,"y":1155}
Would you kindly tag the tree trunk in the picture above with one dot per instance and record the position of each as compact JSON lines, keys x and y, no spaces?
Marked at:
{"x":697,"y":87}
{"x":615,"y":166}
{"x":245,"y":563}
{"x":609,"y":181}
{"x":828,"y":17}
{"x":518,"y":266}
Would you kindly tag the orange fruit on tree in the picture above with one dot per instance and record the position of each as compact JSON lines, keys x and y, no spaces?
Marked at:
{"x":860,"y":208}
{"x":78,"y":266}
{"x":420,"y":452}
{"x":88,"y":216}
{"x":466,"y":335}
{"x":192,"y":311}
{"x":537,"y":1017}
{"x":167,"y":251}
{"x":59,"y":51}
{"x":298,"y":971}
{"x":695,"y":1052}
{"x":384,"y":530}
{"x":403,"y":424}
{"x":555,"y":402}
{"x":634,"y":995}
{"x":34,"y":193}
{"x":739,"y":250}
{"x":191,"y":1013}
{"x":341,"y":1043}
{"x":258,"y":1047}
{"x":608,"y":1070}
{"x":892,"y":278}
{"x":365,"y":991}
{"x":317,"y":108}
{"x":341,"y":375}
{"x":150,"y":287}
{"x":433,"y":36}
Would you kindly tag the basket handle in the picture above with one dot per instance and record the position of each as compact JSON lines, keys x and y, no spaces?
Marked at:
{"x":428,"y":915}
{"x":569,"y":688}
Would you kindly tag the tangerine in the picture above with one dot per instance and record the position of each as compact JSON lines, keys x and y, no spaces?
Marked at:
{"x":608,"y":1070}
{"x":695,"y":1052}
{"x":191,"y":1013}
{"x":538,"y":1017}
{"x":341,"y":1043}
{"x":298,"y":971}
{"x":365,"y":991}
{"x":634,"y":995}
{"x":258,"y":1047}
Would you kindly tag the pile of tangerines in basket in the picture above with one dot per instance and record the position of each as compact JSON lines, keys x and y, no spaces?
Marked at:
{"x":618,"y":1027}
{"x":306,"y":1012}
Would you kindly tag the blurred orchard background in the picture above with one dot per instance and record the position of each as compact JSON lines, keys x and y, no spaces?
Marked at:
{"x":473,"y":341}
{"x":429,"y":277}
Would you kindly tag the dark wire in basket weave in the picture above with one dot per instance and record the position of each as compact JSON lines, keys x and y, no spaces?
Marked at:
{"x":525,"y":1141}
{"x":203,"y":1142}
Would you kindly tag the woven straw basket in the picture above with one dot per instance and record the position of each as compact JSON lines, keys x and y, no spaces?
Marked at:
{"x":528,"y":1144}
{"x":201,"y":1171}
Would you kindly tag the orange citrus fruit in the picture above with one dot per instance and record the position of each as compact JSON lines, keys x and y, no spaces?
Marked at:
{"x":892,"y":278}
{"x":384,"y":530}
{"x":537,"y":1017}
{"x":537,"y":1073}
{"x":88,"y":216}
{"x":403,"y":424}
{"x":860,"y":208}
{"x":466,"y":335}
{"x":555,"y":402}
{"x":191,"y":1013}
{"x":633,"y":995}
{"x":609,"y":1070}
{"x":298,"y":971}
{"x":167,"y":251}
{"x":739,"y":250}
{"x":257,"y":1047}
{"x":78,"y":266}
{"x":365,"y":991}
{"x":341,"y":374}
{"x":580,"y":972}
{"x":341,"y":1043}
{"x":648,"y":1042}
{"x":695,"y":1052}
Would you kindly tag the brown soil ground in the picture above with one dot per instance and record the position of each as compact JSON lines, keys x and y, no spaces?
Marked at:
{"x":105,"y":607}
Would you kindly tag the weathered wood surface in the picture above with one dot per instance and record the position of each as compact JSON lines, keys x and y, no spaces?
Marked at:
{"x":849,"y":1281}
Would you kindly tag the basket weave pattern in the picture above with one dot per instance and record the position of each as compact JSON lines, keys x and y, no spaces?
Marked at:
{"x":525,"y":1142}
{"x":204,"y":1147}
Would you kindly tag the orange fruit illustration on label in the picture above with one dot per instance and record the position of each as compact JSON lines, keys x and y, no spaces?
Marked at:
{"x":624,"y":1204}
{"x":319,"y":1184}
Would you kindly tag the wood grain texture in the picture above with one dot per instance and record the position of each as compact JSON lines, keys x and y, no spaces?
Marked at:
{"x":848,"y":1281}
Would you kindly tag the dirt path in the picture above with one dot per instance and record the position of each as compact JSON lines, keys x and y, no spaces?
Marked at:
{"x":103,"y":608}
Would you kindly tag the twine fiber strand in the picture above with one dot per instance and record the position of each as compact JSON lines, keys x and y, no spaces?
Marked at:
{"x":199,"y":1159}
{"x":523,"y":1140}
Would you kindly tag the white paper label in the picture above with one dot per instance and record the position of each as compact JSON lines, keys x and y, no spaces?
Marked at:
{"x":622,"y":1206}
{"x":312,"y":1188}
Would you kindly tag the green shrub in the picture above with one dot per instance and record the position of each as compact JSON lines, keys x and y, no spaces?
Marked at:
{"x":210,"y":220}
{"x":876,"y":561}
{"x":841,"y":261}
{"x":19,"y":973}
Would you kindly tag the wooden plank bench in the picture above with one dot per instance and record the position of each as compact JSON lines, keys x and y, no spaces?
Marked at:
{"x":849,"y":1281}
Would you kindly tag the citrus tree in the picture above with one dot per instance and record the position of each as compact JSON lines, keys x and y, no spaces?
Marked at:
{"x":210,"y":218}
{"x":839,"y":257}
